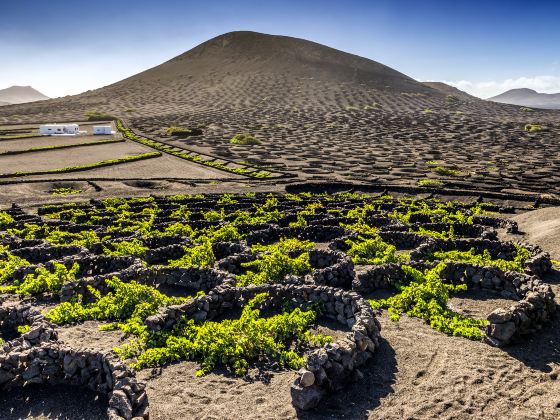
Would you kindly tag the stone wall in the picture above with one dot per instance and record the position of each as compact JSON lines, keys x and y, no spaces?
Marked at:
{"x":328,"y":368}
{"x":53,"y":364}
{"x":331,"y":268}
{"x":40,"y":330}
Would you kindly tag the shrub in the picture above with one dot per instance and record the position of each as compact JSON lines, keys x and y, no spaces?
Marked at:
{"x":446,"y":171}
{"x":134,"y":247}
{"x":426,"y":297}
{"x":276,"y":262}
{"x":130,"y":302}
{"x":196,"y":256}
{"x":244,"y":139}
{"x":5,"y":220}
{"x":43,"y":281}
{"x":182,"y":132}
{"x":371,"y":251}
{"x":8,"y":264}
{"x":235,"y":342}
{"x":531,"y":128}
{"x":485,"y":258}
{"x":98,"y":116}
{"x":430,"y":183}
{"x":64,"y":191}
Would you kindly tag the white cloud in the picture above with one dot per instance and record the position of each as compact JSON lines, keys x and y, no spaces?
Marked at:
{"x":542,"y":84}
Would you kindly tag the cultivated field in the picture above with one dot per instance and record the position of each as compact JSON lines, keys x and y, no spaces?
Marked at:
{"x":279,"y":230}
{"x":82,"y":279}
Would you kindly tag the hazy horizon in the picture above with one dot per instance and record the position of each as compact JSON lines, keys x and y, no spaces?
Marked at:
{"x":480,"y":48}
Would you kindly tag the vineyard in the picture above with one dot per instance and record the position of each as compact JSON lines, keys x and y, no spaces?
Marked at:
{"x":234,"y":281}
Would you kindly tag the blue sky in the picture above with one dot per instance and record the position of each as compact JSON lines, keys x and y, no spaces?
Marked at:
{"x":484,"y":47}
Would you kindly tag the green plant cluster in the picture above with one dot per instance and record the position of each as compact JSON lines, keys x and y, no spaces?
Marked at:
{"x":65,"y":191}
{"x":8,"y":264}
{"x":196,"y":256}
{"x":127,"y":304}
{"x":43,"y":280}
{"x":446,"y":171}
{"x":371,"y":251}
{"x":5,"y":220}
{"x":275,"y":262}
{"x":532,"y":128}
{"x":244,"y":139}
{"x":426,"y":297}
{"x":134,"y":247}
{"x":430,"y":183}
{"x":436,"y":211}
{"x":485,"y":259}
{"x":233,"y":343}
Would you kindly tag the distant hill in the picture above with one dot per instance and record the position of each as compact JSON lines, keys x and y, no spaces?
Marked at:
{"x":253,"y":72}
{"x":529,"y":98}
{"x":450,"y":90}
{"x":20,"y":95}
{"x":242,"y":70}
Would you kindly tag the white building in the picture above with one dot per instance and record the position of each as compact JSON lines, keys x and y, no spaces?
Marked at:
{"x":59,"y":129}
{"x":102,"y":129}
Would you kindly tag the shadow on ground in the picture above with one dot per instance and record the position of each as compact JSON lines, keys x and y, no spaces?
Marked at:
{"x":60,"y":402}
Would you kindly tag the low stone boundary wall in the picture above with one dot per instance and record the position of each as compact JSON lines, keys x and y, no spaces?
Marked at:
{"x":44,"y":253}
{"x":525,"y":316}
{"x":40,"y":330}
{"x":90,"y":265}
{"x":533,"y":301}
{"x":51,"y":363}
{"x":328,"y":368}
{"x":509,"y":225}
{"x":331,"y":268}
{"x":191,"y":278}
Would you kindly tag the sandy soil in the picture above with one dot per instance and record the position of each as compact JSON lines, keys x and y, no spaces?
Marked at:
{"x":52,"y":402}
{"x":163,"y":167}
{"x":542,"y":227}
{"x":45,"y":160}
{"x":417,"y":373}
{"x":33,"y":142}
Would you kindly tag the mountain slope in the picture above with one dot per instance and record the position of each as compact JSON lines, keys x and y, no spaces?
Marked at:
{"x":242,"y":70}
{"x":20,"y":94}
{"x":450,"y":90}
{"x":530,"y":98}
{"x":251,"y":52}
